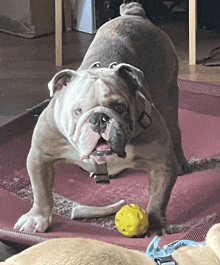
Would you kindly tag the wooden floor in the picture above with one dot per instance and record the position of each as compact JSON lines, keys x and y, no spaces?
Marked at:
{"x":207,"y":40}
{"x":27,"y":65}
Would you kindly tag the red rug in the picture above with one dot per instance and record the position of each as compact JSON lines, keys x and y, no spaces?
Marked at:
{"x":194,"y":202}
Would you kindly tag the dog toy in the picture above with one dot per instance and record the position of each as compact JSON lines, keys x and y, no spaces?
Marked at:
{"x":85,"y":211}
{"x":131,"y":220}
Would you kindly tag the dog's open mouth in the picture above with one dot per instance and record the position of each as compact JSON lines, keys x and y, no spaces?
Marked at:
{"x":102,"y":148}
{"x":102,"y":152}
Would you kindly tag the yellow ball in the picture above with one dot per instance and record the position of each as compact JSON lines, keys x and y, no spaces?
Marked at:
{"x":131,"y":220}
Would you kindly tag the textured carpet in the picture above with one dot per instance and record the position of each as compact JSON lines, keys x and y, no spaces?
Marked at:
{"x":194,"y":202}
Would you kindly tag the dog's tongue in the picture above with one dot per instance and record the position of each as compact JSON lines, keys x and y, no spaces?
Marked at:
{"x":102,"y":153}
{"x":103,"y":147}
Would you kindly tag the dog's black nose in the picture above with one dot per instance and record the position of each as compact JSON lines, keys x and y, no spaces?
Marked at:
{"x":99,"y":121}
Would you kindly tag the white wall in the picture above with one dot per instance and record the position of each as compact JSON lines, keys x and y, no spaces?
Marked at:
{"x":84,"y":15}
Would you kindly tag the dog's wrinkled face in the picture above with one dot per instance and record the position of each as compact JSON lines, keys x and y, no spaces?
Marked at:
{"x":97,"y":109}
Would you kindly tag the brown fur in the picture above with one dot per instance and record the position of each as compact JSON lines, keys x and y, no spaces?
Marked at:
{"x":203,"y":255}
{"x":78,"y":251}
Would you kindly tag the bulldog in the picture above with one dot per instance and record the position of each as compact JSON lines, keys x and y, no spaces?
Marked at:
{"x":118,"y":111}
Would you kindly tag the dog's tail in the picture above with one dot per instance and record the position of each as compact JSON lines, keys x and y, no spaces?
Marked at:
{"x":132,"y":7}
{"x":204,"y":164}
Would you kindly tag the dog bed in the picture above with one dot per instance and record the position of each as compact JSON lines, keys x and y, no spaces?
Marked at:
{"x":194,"y":201}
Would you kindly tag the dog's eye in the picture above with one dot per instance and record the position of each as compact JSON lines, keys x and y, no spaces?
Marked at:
{"x":78,"y":111}
{"x":120,"y":107}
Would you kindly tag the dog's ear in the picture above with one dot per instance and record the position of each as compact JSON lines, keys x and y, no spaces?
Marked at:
{"x":133,"y":76}
{"x":60,"y":79}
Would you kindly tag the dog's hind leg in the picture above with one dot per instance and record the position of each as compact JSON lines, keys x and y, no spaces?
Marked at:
{"x":169,"y":111}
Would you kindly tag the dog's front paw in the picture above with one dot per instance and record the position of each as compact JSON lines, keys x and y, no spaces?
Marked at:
{"x":164,"y":229}
{"x":31,"y":222}
{"x":158,"y":226}
{"x":173,"y":229}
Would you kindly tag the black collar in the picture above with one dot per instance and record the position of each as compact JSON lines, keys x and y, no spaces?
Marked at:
{"x":165,"y":261}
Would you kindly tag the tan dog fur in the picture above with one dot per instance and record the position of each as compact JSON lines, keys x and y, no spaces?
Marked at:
{"x":78,"y":251}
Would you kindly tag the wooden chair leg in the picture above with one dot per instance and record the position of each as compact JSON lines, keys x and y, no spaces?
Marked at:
{"x":58,"y":32}
{"x":192,"y":31}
